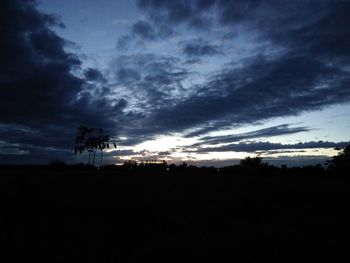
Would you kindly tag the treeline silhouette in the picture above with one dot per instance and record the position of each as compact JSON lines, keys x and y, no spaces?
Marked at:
{"x":337,"y":166}
{"x":164,"y":169}
{"x":249,"y":212}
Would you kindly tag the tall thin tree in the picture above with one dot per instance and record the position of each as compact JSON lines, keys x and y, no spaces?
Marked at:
{"x":92,"y":140}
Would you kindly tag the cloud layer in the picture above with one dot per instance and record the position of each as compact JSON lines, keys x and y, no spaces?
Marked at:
{"x":43,"y":97}
{"x":308,"y":70}
{"x":190,"y":67}
{"x":256,"y":147}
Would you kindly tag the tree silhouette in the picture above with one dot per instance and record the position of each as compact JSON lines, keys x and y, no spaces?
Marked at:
{"x":341,"y":162}
{"x":251,"y":162}
{"x":92,"y":140}
{"x":82,"y":141}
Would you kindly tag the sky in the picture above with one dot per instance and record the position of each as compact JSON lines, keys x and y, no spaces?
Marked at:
{"x":207,"y":82}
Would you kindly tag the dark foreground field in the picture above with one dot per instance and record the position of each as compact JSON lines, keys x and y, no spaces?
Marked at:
{"x":106,"y":216}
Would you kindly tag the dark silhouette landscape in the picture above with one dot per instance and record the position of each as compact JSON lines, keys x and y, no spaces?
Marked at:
{"x":154,"y":211}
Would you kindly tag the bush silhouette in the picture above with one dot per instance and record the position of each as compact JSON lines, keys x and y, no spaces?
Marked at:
{"x":341,"y":162}
{"x":251,"y":162}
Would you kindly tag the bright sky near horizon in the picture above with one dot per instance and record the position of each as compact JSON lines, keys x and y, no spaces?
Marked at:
{"x":202,"y":81}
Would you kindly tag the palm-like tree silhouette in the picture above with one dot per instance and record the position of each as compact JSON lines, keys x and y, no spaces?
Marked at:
{"x":92,"y":140}
{"x":82,"y":141}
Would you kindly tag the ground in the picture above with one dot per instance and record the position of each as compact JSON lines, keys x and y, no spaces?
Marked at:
{"x":103,"y":216}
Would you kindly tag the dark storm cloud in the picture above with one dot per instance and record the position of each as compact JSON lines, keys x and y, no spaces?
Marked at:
{"x":162,"y":17}
{"x":36,"y":70}
{"x":327,"y":37}
{"x":92,"y":74}
{"x":199,"y":48}
{"x":123,"y":42}
{"x":257,"y":13}
{"x":128,"y":74}
{"x":268,"y":146}
{"x":151,"y":77}
{"x":267,"y":132}
{"x":48,"y":136}
{"x":320,"y":27}
{"x":261,"y":90}
{"x":317,"y":27}
{"x":164,"y":77}
{"x":168,"y":13}
{"x":42,"y":101}
{"x":174,"y":11}
{"x":144,"y":30}
{"x":309,"y":73}
{"x":151,"y":82}
{"x":38,"y":90}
